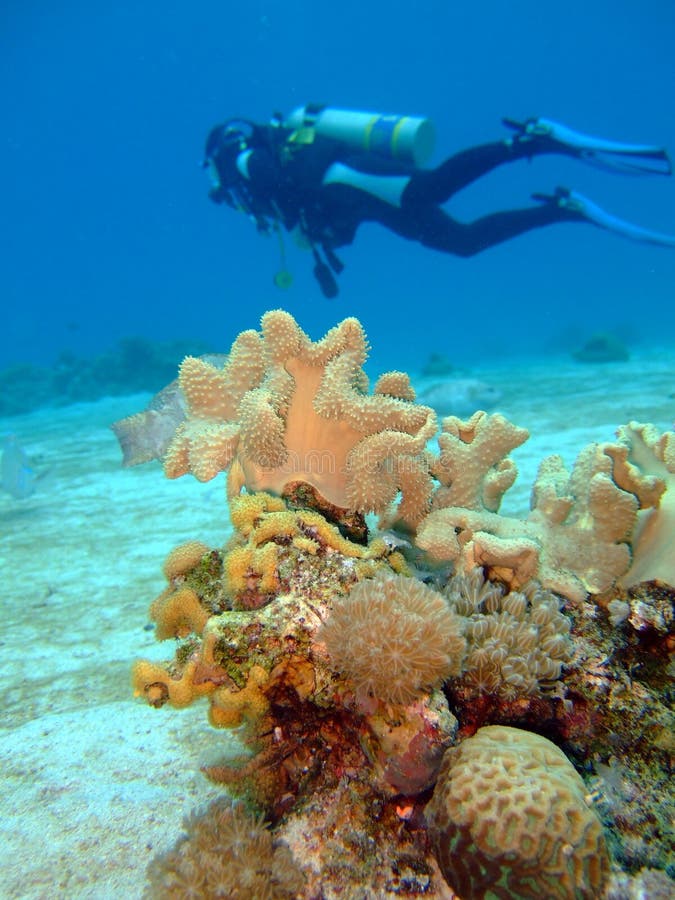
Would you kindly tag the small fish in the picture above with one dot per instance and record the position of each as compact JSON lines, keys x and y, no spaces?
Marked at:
{"x":17,"y":477}
{"x":459,"y":396}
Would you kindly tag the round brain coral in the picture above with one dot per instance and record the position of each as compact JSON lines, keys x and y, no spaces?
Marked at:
{"x":394,"y":638}
{"x":508,"y":819}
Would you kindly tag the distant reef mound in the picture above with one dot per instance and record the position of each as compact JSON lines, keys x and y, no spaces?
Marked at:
{"x":132,"y":366}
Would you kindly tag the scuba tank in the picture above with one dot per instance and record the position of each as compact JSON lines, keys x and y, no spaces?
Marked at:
{"x":408,"y":139}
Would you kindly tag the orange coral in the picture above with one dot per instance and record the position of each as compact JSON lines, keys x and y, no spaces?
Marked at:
{"x":230,"y":707}
{"x":251,"y":568}
{"x":178,"y":613}
{"x":267,"y":525}
{"x":155,"y":683}
{"x":183,"y":558}
{"x":287,"y":409}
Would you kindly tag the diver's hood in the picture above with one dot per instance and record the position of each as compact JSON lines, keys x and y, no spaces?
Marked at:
{"x":228,"y":139}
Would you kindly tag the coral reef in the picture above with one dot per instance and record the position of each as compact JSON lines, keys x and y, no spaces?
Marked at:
{"x":509,"y":818}
{"x":602,"y":348}
{"x":133,"y":365}
{"x":350,"y":680}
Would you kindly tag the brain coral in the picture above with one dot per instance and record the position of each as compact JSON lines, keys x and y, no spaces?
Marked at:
{"x":394,"y":638}
{"x":509,"y":819}
{"x":286,"y":409}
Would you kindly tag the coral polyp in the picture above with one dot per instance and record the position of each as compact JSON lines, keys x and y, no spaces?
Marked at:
{"x":226,"y":851}
{"x":394,"y":639}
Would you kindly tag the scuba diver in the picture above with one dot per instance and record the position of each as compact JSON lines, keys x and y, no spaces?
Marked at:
{"x":322,"y":172}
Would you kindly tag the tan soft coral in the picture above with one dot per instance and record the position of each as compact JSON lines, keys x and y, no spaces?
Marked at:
{"x":226,"y":851}
{"x":517,"y":642}
{"x":645,"y":463}
{"x":285,"y":409}
{"x":577,"y":536}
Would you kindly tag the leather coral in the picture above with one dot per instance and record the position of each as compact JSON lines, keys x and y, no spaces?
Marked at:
{"x":580,"y":534}
{"x":286,"y":409}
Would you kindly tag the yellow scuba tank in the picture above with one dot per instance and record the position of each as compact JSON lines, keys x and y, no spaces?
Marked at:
{"x":407,"y":139}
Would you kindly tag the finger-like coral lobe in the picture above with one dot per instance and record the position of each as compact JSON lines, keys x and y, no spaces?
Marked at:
{"x":509,"y":818}
{"x":286,"y":409}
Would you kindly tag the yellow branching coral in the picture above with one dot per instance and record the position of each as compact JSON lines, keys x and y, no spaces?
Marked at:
{"x":229,"y":707}
{"x":183,"y":558}
{"x":267,"y":525}
{"x":178,"y":613}
{"x":286,"y":409}
{"x":156,"y":684}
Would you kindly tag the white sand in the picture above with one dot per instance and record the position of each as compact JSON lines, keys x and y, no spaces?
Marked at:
{"x":95,"y":782}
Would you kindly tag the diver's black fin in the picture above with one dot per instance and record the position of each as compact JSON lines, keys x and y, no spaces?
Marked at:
{"x":629,"y":159}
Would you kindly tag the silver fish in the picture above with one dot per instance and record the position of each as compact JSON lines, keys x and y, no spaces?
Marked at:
{"x":17,"y":476}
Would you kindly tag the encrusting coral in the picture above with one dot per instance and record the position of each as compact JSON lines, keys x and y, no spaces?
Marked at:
{"x":349,"y":678}
{"x":509,"y":819}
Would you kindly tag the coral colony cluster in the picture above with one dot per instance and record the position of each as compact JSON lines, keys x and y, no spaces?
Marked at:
{"x":457,"y":704}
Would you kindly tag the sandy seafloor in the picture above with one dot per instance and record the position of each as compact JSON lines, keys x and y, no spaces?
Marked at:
{"x":93,"y":781}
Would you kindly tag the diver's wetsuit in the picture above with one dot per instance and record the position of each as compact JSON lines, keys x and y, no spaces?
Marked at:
{"x":329,"y":214}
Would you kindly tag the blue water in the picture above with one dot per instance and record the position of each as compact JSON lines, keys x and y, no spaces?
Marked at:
{"x":106,"y":229}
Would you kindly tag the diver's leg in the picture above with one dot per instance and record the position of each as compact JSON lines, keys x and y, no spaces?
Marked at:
{"x":437,"y":230}
{"x":437,"y":185}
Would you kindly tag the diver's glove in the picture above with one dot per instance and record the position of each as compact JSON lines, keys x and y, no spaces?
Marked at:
{"x":547,"y":136}
{"x":579,"y":207}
